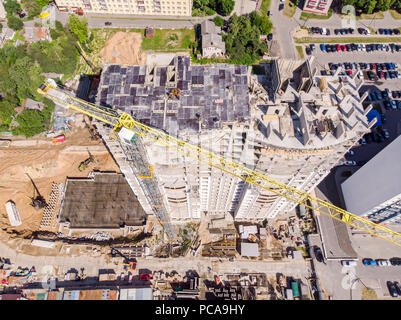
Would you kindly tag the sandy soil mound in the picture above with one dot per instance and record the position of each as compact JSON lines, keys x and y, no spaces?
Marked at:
{"x":46,"y":163}
{"x":123,"y":48}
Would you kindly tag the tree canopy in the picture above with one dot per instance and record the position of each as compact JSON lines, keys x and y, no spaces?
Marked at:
{"x":371,"y":6}
{"x":218,"y":21}
{"x":79,"y":27}
{"x":11,"y":7}
{"x":32,"y":7}
{"x":210,"y":7}
{"x":20,"y":76}
{"x":14,"y":23}
{"x":242,"y":40}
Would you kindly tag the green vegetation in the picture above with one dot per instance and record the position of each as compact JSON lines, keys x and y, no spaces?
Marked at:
{"x":20,"y":76}
{"x":11,"y":7}
{"x":290,"y":8}
{"x":368,"y":294}
{"x":348,"y":40}
{"x":264,"y":7}
{"x":169,"y":40}
{"x":242,"y":41}
{"x":218,"y":21}
{"x":395,"y":14}
{"x":203,"y":8}
{"x":1,"y":28}
{"x":79,"y":27}
{"x":14,"y":23}
{"x":373,"y":16}
{"x":32,"y":7}
{"x":300,"y":51}
{"x":373,"y":6}
{"x":305,"y":252}
{"x":308,"y":15}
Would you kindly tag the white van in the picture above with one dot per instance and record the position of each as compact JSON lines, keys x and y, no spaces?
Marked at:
{"x":348,"y":263}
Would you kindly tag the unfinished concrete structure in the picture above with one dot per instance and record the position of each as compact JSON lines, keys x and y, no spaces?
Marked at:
{"x":296,"y":137}
{"x":103,"y":201}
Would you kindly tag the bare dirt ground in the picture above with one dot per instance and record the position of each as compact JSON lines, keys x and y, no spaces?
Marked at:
{"x":45,"y":163}
{"x":123,"y":48}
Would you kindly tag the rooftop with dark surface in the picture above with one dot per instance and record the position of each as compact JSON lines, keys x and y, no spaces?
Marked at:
{"x":212,"y":95}
{"x":106,"y":201}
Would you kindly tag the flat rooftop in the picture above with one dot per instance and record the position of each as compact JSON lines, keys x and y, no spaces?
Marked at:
{"x":104,"y":201}
{"x":209,"y":96}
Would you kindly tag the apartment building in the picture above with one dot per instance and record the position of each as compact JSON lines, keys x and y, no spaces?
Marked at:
{"x":317,"y":6}
{"x":374,"y":191}
{"x":129,"y":7}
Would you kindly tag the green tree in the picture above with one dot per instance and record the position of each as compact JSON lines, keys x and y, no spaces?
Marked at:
{"x":43,"y":3}
{"x":266,"y":25}
{"x":11,"y":7}
{"x":59,"y":26}
{"x":79,"y":27}
{"x":32,"y":7}
{"x":218,"y":21}
{"x":14,"y":23}
{"x":225,"y":7}
{"x":1,"y":27}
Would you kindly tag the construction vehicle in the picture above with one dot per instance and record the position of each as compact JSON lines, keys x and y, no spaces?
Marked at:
{"x":84,"y":164}
{"x":121,"y":120}
{"x":131,"y":263}
{"x":92,"y":131}
{"x":58,"y":139}
{"x":38,"y":202}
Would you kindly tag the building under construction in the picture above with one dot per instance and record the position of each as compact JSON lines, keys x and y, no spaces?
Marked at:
{"x":295,"y":131}
{"x":102,"y":201}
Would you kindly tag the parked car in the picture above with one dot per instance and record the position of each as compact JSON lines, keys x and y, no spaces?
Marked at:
{"x":397,"y":287}
{"x":392,"y":289}
{"x":351,"y":152}
{"x":348,"y":263}
{"x":107,"y":23}
{"x":270,"y":37}
{"x":281,"y":6}
{"x":312,"y":47}
{"x":369,"y":262}
{"x":383,"y":262}
{"x":350,"y":163}
{"x":395,"y":261}
{"x":362,"y":141}
{"x":318,"y":254}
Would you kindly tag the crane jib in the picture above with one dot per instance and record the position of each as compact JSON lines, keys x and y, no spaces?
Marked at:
{"x":121,"y":119}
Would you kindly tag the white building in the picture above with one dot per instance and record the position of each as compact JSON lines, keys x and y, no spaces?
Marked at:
{"x":375,"y":189}
{"x":128,"y":7}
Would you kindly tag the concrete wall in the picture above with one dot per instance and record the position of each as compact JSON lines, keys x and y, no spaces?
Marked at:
{"x":376,"y":182}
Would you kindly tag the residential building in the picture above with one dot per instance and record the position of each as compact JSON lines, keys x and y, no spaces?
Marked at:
{"x":295,"y":133}
{"x":136,"y":293}
{"x":317,"y":6}
{"x":213,"y":45}
{"x":128,"y":7}
{"x":374,"y":191}
{"x":34,"y":34}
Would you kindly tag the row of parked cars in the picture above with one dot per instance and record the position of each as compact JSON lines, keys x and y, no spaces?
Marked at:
{"x":382,"y":262}
{"x":364,"y":66}
{"x":345,"y":31}
{"x":392,"y":47}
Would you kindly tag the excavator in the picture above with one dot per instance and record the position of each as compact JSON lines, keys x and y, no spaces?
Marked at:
{"x":131,"y":263}
{"x":84,"y":164}
{"x":120,"y":120}
{"x":38,"y":202}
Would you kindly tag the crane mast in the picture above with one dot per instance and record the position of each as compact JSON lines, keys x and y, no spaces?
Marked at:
{"x":119,"y":119}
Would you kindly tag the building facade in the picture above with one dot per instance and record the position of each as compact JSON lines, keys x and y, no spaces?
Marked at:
{"x":128,"y":7}
{"x":374,"y":191}
{"x":317,"y":6}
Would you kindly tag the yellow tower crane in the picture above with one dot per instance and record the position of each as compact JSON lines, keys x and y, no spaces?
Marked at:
{"x":119,"y":119}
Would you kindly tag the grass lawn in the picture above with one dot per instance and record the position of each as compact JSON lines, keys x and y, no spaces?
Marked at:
{"x":307,"y":15}
{"x":289,"y":9}
{"x":377,"y":15}
{"x":300,"y":51}
{"x":348,"y":40}
{"x":395,"y":14}
{"x":169,"y":40}
{"x":264,"y":7}
{"x":368,"y":294}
